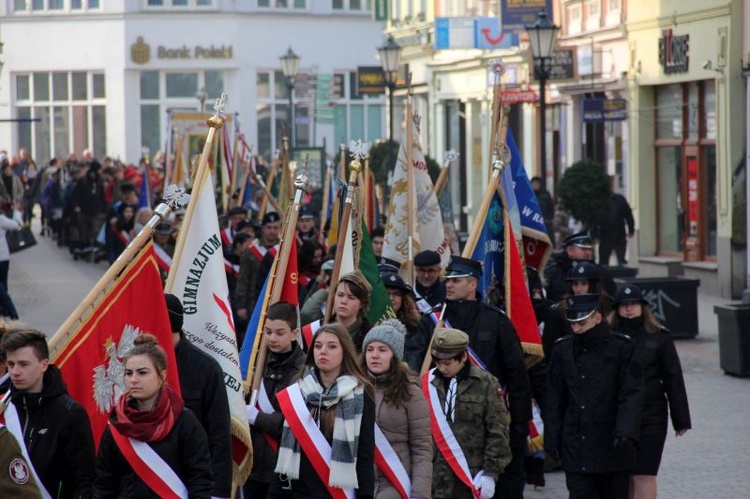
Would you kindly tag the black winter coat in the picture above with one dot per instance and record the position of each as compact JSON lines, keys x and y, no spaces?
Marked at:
{"x":280,"y":372}
{"x":494,"y":340}
{"x":58,"y":437}
{"x":619,"y":214}
{"x":205,"y":394}
{"x":597,"y":395}
{"x":185,"y":450}
{"x":88,"y":194}
{"x":662,"y":375}
{"x":310,"y":486}
{"x":434,"y":295}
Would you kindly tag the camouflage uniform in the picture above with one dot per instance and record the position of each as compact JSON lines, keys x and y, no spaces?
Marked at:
{"x":480,"y":426}
{"x":16,"y":479}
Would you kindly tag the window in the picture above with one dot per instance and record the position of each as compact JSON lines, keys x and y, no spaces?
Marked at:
{"x":574,"y":18}
{"x":181,"y":4}
{"x":593,"y":13}
{"x":65,"y":105}
{"x":353,"y":5}
{"x":614,"y":12}
{"x":283,"y":4}
{"x":182,"y":84}
{"x":55,"y":5}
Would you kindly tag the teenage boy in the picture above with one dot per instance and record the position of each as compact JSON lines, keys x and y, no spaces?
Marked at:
{"x":469,"y":421}
{"x":284,"y":362}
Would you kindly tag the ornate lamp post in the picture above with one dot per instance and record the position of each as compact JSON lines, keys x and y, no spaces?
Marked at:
{"x":390,"y":58}
{"x":290,"y":65}
{"x":542,"y":38}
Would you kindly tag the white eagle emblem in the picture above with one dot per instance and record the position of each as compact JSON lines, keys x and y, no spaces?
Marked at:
{"x":19,"y":471}
{"x":109,"y":380}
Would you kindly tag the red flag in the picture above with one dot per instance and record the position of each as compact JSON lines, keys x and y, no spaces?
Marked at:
{"x":92,"y":360}
{"x":290,"y":291}
{"x":520,"y":310}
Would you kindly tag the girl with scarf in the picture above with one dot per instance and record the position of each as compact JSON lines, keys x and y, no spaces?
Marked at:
{"x":152,"y":413}
{"x":662,"y":374}
{"x":350,"y":306}
{"x":339,"y":404}
{"x":401,"y":410}
{"x":121,"y":231}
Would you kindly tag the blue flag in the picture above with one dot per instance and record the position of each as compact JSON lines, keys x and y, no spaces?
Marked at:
{"x":143,"y":196}
{"x":252,"y":330}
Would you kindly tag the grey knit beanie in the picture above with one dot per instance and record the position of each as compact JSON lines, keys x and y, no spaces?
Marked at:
{"x":391,"y":332}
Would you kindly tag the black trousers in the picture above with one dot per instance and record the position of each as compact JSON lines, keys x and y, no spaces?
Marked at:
{"x":605,"y":250}
{"x":253,"y":490}
{"x":512,"y":481}
{"x":598,"y":485}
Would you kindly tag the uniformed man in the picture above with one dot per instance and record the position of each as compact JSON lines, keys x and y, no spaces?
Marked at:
{"x":578,"y":247}
{"x":306,"y":230}
{"x":429,"y":290}
{"x":494,"y":341}
{"x":595,"y":404}
{"x":475,"y":413}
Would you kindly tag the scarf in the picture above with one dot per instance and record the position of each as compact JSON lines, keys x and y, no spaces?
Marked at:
{"x":346,"y":394}
{"x":148,"y":426}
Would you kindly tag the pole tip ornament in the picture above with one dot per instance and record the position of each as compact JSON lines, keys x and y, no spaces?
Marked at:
{"x":359,"y":149}
{"x":216,"y":121}
{"x":175,"y":197}
{"x":451,"y":155}
{"x":301,"y":181}
{"x":355,"y":166}
{"x":500,"y":158}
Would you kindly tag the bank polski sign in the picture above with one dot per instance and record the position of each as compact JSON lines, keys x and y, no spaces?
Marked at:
{"x":140,"y":52}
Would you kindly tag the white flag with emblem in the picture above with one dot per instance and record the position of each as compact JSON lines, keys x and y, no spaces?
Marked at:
{"x":429,"y":233}
{"x":200,"y":283}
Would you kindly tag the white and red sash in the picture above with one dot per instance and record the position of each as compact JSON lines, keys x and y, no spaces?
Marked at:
{"x":422,"y":304}
{"x":226,"y":237}
{"x":259,"y":251}
{"x":231,"y":268}
{"x":310,"y":438}
{"x":149,"y":466}
{"x":309,"y":330}
{"x":14,"y":427}
{"x":125,"y":236}
{"x":162,"y":258}
{"x":265,"y":406}
{"x":390,"y":464}
{"x":444,"y":438}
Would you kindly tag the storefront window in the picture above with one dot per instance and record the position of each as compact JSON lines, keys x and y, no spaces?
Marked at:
{"x":60,"y":86}
{"x":710,"y":193}
{"x":265,"y":120}
{"x":23,"y":91}
{"x":669,"y":112}
{"x":709,"y":102}
{"x":692,"y":112}
{"x":671,"y":212}
{"x":42,"y":133}
{"x":182,"y":84}
{"x":149,"y":85}
{"x":24,"y":127}
{"x":80,"y":90}
{"x":214,"y":84}
{"x":150,"y":129}
{"x":263,"y":85}
{"x":41,"y":86}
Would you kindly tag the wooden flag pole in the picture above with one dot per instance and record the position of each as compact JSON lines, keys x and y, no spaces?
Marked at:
{"x":215,"y":123}
{"x":236,"y":168}
{"x":411,"y":205}
{"x":270,"y":177}
{"x":442,"y":179}
{"x":268,"y":196}
{"x":260,"y":349}
{"x":59,"y":339}
{"x":354,"y":167}
{"x":326,"y":200}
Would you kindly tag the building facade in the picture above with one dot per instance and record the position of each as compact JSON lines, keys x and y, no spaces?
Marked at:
{"x":103,"y":75}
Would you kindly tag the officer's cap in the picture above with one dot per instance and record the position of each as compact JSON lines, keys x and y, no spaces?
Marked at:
{"x":581,"y":307}
{"x":583,"y":271}
{"x":392,"y":280}
{"x":270,"y":218}
{"x":306,"y":212}
{"x":581,"y":239}
{"x":629,"y":293}
{"x":463,"y":267}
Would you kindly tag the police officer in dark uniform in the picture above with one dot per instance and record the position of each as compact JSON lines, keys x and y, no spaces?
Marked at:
{"x":429,"y":289}
{"x":575,"y":248}
{"x":595,"y":404}
{"x":494,"y":340}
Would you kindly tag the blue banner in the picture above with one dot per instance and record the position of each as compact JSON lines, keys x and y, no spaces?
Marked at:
{"x":252,"y":330}
{"x":490,"y":250}
{"x":528,"y":207}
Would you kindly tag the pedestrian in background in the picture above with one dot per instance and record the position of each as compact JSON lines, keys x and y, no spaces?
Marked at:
{"x":611,"y":230}
{"x":665,"y":386}
{"x":546,"y":206}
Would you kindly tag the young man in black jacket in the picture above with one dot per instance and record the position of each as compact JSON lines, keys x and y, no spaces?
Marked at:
{"x":204,"y":393}
{"x":494,"y":340}
{"x":53,"y":427}
{"x":595,"y":404}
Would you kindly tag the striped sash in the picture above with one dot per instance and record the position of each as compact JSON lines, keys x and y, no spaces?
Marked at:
{"x":390,"y":464}
{"x":14,"y":427}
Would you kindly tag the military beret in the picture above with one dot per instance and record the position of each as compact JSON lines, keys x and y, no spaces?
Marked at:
{"x":270,"y":218}
{"x":427,"y":257}
{"x":580,"y":307}
{"x":581,"y":239}
{"x":447,"y":343}
{"x":306,"y":212}
{"x":463,"y":267}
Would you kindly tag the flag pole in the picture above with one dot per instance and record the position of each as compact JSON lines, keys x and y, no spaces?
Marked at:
{"x":215,"y":123}
{"x":235,"y":158}
{"x":410,"y":188}
{"x":260,"y":349}
{"x":442,"y":179}
{"x":326,"y":200}
{"x":270,"y":177}
{"x":268,"y":197}
{"x":354,"y":167}
{"x":59,"y":339}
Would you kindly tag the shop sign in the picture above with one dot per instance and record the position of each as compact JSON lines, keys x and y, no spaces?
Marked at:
{"x":673,"y":52}
{"x":516,"y":14}
{"x":370,"y":80}
{"x":140,"y":52}
{"x":562,"y":65}
{"x":516,"y":96}
{"x":472,"y":33}
{"x":601,"y":110}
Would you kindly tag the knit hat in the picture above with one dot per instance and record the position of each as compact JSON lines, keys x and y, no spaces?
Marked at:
{"x":391,"y":332}
{"x":174,"y":307}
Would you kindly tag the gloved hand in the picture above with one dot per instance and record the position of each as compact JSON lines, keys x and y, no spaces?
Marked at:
{"x":252,"y":413}
{"x":623,"y":443}
{"x":486,"y":487}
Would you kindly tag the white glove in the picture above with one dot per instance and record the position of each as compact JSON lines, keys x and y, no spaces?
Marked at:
{"x":252,"y":414}
{"x":486,"y":487}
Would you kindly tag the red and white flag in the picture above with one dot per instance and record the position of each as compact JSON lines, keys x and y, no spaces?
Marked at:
{"x":200,"y":282}
{"x":92,"y":361}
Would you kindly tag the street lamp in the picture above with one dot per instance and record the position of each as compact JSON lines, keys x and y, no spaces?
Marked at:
{"x":290,"y":65}
{"x":390,"y":58}
{"x":542,"y":37}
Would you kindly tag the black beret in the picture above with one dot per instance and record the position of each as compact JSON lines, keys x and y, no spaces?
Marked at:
{"x":427,"y":257}
{"x":270,"y":218}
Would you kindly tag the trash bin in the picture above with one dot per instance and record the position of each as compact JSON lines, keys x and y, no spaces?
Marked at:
{"x":623,"y":272}
{"x":734,"y":338}
{"x":673,"y":301}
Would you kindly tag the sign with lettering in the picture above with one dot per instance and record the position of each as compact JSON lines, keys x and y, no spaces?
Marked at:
{"x":516,"y":96}
{"x":140,"y":52}
{"x":370,"y":80}
{"x":562,"y":65}
{"x":601,"y":110}
{"x":516,"y":14}
{"x":673,"y":52}
{"x":472,"y":32}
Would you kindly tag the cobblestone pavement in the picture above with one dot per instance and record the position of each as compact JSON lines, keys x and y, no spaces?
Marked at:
{"x":711,"y":461}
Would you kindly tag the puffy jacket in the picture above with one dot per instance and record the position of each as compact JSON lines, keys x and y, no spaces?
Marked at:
{"x":280,"y":372}
{"x":57,"y":434}
{"x":185,"y":450}
{"x":204,"y":393}
{"x":407,"y":429}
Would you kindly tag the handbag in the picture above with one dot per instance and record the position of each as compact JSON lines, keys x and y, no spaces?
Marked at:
{"x":19,"y":240}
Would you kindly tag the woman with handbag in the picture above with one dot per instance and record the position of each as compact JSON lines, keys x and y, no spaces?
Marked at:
{"x":10,"y":220}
